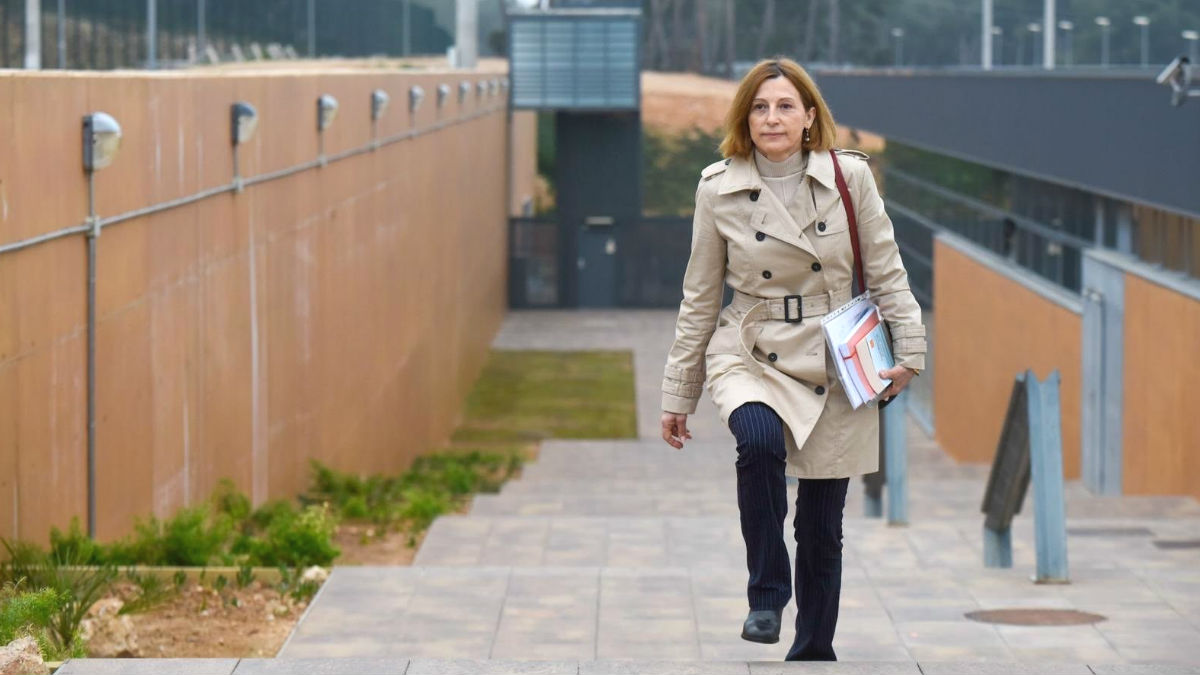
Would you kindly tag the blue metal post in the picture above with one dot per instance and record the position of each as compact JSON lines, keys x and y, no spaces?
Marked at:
{"x":1045,"y":456}
{"x":895,"y":425}
{"x":997,"y":548}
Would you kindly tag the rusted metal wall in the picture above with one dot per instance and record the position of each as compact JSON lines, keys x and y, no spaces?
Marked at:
{"x":340,"y":313}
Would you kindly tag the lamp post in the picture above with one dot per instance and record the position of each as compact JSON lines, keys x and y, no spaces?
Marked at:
{"x":1068,"y":29}
{"x":1105,"y":26}
{"x":998,"y":44}
{"x":1144,"y":22}
{"x":1193,"y":37}
{"x":1034,"y":28}
{"x":898,"y":33}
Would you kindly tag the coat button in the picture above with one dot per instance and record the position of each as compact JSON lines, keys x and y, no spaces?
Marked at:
{"x":754,"y":196}
{"x":821,"y":226}
{"x":772,"y":357}
{"x":820,"y":390}
{"x":816,"y":267}
{"x":760,"y":236}
{"x":766,"y":274}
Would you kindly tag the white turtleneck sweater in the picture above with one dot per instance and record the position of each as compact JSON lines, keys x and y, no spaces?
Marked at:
{"x":782,"y":178}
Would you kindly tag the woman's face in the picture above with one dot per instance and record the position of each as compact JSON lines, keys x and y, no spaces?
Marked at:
{"x":778,"y":119}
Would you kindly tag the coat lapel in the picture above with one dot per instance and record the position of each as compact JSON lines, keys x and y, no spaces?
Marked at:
{"x":788,"y":223}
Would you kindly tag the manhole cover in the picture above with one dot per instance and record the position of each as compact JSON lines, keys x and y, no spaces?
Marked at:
{"x":1177,"y":543}
{"x":1035,"y":617}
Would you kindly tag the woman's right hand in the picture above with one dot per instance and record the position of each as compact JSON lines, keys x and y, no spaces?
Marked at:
{"x":674,"y":429}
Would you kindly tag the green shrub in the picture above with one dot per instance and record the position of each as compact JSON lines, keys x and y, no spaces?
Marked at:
{"x":76,"y":589}
{"x":29,"y":613}
{"x":294,"y":539}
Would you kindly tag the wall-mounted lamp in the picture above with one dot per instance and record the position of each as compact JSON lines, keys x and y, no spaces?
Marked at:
{"x":415,"y":95}
{"x":443,"y":92}
{"x":379,"y":104}
{"x":480,"y":88}
{"x":244,"y":122}
{"x":327,"y":107}
{"x":464,"y":90}
{"x":101,"y":140}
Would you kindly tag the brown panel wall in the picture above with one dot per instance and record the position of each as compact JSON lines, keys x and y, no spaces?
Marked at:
{"x":340,"y":313}
{"x":524,"y":159}
{"x":1161,"y":429}
{"x":988,"y":329}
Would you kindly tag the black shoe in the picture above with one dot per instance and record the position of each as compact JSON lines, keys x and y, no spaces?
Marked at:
{"x":762,"y":625}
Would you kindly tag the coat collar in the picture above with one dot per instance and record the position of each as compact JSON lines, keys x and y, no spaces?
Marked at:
{"x":742,"y":173}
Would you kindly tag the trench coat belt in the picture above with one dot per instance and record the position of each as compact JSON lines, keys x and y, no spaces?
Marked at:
{"x":758,"y":309}
{"x":786,"y":307}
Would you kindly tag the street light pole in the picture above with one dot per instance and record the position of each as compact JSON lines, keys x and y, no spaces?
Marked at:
{"x":312,"y":29}
{"x":152,"y":34}
{"x":1144,"y":22}
{"x":201,"y":31}
{"x":898,"y":33}
{"x":1034,"y":28}
{"x":61,"y":30}
{"x":998,"y":44}
{"x":987,"y":34}
{"x":1193,"y":37}
{"x":1105,"y":25}
{"x":1048,"y":35}
{"x":1068,"y":29}
{"x":33,"y":34}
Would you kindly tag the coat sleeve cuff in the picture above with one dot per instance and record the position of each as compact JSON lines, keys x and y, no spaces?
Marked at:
{"x":679,"y":404}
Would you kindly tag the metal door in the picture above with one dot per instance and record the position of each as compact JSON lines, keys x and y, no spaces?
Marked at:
{"x":597,"y":263}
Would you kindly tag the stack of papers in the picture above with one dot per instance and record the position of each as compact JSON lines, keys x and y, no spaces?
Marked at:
{"x":858,"y":340}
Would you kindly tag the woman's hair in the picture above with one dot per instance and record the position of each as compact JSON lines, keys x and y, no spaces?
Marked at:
{"x":823,"y":133}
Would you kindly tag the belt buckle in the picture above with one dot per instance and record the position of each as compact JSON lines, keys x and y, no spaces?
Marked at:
{"x":787,"y":306}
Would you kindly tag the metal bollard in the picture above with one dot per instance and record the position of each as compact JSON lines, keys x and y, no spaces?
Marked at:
{"x":1045,"y":446}
{"x":894,"y":419}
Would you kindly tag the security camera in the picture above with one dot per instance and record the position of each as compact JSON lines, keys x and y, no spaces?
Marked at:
{"x":1178,"y":76}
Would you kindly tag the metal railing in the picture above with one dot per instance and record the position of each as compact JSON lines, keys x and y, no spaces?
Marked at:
{"x":919,"y":208}
{"x":102,"y":34}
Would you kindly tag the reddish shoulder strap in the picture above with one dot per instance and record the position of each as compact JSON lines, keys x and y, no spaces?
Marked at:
{"x":849,"y":206}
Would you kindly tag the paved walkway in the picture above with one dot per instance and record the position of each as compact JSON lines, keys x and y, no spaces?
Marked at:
{"x":625,"y":557}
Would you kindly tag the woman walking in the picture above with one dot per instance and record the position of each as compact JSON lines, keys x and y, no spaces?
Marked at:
{"x":770,"y":222}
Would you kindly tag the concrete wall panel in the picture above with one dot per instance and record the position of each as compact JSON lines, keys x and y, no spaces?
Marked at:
{"x":1161,"y":444}
{"x":989,"y":328}
{"x":339,"y":313}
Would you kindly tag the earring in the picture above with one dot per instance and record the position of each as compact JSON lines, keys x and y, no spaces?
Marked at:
{"x":807,"y":138}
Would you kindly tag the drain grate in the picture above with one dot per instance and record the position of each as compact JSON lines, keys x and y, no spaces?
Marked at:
{"x":1176,"y":544}
{"x":1035,"y":617}
{"x":1109,"y":532}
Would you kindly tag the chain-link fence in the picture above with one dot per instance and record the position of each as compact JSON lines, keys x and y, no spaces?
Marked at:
{"x":104,"y":34}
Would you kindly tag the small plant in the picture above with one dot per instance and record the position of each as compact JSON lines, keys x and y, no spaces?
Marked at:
{"x":152,"y":592}
{"x":290,"y":538}
{"x":26,"y":613}
{"x":78,"y":589}
{"x":245,"y":576}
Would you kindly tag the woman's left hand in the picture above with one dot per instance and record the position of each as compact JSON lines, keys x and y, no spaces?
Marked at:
{"x":900,"y":377}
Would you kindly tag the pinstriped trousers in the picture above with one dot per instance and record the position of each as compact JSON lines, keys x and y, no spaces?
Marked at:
{"x":762,"y":503}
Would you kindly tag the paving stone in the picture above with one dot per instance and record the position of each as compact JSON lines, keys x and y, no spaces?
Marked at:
{"x":663,"y":668}
{"x":490,"y":667}
{"x":323,"y":666}
{"x":609,"y":550}
{"x":1004,"y":668}
{"x":835,"y":668}
{"x":148,"y":667}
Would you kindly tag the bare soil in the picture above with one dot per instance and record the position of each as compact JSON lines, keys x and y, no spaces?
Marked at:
{"x":675,"y":103}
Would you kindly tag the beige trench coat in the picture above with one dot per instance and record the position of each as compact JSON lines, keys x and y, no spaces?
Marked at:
{"x":742,"y":235}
